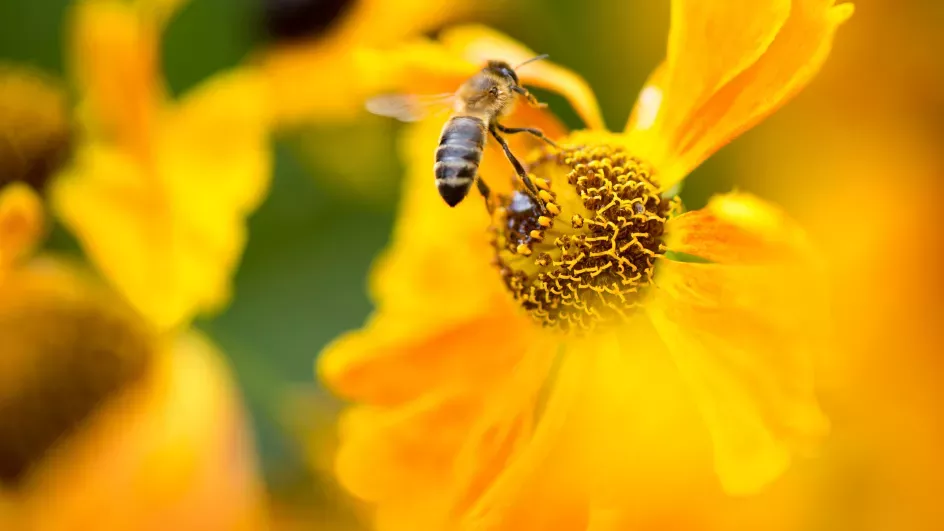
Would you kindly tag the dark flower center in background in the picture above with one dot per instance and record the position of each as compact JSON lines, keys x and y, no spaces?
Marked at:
{"x":589,"y":258}
{"x":35,"y":135}
{"x":290,"y":20}
{"x":62,"y":355}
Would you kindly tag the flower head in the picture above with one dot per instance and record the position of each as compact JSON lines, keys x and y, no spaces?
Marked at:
{"x":501,"y":368}
{"x":159,"y":190}
{"x":34,"y":126}
{"x":103,"y":416}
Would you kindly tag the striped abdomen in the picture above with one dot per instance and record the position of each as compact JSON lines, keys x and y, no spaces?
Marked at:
{"x":458,"y":157}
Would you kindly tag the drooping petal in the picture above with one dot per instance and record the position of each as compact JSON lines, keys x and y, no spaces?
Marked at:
{"x":769,"y":51}
{"x":169,"y":235}
{"x":22,"y":222}
{"x":479,"y":44}
{"x":744,"y":331}
{"x":115,"y":58}
{"x":797,"y":54}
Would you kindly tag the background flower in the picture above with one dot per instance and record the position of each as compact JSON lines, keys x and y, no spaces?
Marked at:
{"x":107,"y":424}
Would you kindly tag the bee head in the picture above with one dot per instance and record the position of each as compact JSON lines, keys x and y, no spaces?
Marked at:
{"x":503,"y":69}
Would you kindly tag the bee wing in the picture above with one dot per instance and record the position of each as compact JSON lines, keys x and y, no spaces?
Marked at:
{"x":410,"y":107}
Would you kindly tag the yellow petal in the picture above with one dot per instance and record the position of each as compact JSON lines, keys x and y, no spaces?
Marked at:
{"x":424,"y":363}
{"x":480,"y":44}
{"x":744,"y":332}
{"x":170,"y":235}
{"x":424,"y":66}
{"x":391,"y":362}
{"x":116,"y":64}
{"x":22,"y":223}
{"x":418,"y":66}
{"x":538,"y":472}
{"x":705,"y":98}
{"x":215,"y":147}
{"x":295,"y":71}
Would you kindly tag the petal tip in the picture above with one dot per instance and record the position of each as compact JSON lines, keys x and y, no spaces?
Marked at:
{"x":842,"y":13}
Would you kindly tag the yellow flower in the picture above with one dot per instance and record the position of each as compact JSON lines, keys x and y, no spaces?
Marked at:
{"x":159,"y":190}
{"x":106,"y":424}
{"x":500,"y":370}
{"x":310,"y":68}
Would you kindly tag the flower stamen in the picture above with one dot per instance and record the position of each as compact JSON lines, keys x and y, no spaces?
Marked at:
{"x":588,"y":257}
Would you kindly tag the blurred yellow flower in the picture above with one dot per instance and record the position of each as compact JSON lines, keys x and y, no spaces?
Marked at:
{"x":159,"y":190}
{"x":106,"y":424}
{"x":310,"y":69}
{"x":482,"y":392}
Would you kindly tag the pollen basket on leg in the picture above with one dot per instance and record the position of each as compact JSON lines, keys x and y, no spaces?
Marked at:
{"x":587,"y":257}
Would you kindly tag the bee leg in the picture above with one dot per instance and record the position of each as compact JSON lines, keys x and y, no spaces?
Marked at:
{"x":530,"y":130}
{"x":530,"y":97}
{"x":486,"y":193}
{"x":519,"y":169}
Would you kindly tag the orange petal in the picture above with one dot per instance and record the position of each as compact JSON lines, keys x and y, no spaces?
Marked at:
{"x":392,"y":361}
{"x":115,"y":60}
{"x":744,"y":332}
{"x":699,"y":109}
{"x":536,"y":475}
{"x":22,"y":223}
{"x":437,"y":417}
{"x":387,"y":455}
{"x":738,"y":228}
{"x":480,"y":44}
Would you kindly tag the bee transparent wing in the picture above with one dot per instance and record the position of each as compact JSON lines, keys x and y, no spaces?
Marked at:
{"x":410,"y":107}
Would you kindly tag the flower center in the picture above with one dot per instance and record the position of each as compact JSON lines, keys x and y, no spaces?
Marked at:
{"x":589,"y":256}
{"x":65,"y":351}
{"x":34,"y":130}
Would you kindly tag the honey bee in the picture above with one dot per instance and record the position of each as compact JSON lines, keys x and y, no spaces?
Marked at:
{"x":477,"y":108}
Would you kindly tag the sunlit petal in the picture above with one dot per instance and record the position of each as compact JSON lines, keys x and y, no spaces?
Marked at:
{"x":169,"y":235}
{"x":744,"y":332}
{"x":702,"y":99}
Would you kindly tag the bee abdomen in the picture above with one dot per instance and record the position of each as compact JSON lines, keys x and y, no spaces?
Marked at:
{"x":458,"y":157}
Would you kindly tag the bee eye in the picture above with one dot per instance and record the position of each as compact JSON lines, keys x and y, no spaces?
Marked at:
{"x":509,"y":73}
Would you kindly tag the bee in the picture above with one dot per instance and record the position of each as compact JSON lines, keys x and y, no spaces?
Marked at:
{"x":477,"y":109}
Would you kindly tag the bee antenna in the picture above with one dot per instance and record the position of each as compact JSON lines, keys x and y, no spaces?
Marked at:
{"x":533,"y":59}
